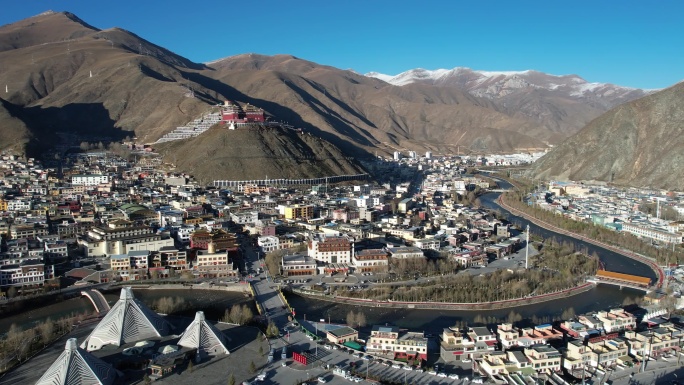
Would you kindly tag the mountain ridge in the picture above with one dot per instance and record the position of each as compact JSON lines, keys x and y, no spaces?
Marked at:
{"x":562,"y":103}
{"x":637,"y":143}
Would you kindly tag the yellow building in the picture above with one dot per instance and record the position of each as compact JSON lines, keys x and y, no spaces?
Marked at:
{"x":3,"y":205}
{"x":299,"y":211}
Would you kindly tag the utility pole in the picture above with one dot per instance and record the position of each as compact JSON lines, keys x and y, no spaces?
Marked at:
{"x":527,"y":247}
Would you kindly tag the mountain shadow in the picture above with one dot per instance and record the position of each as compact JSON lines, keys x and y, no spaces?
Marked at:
{"x":87,"y":121}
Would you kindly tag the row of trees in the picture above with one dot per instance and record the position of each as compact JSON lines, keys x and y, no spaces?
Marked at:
{"x":18,"y":344}
{"x":559,"y":268}
{"x":628,"y":241}
{"x":357,"y":320}
{"x":407,"y":268}
{"x":238,"y":314}
{"x":170,"y":305}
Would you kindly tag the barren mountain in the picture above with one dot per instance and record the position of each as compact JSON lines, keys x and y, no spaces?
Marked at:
{"x":245,"y":154}
{"x":65,"y":76}
{"x":638,"y":143}
{"x":563,"y":104}
{"x":62,"y":75}
{"x":355,"y":111}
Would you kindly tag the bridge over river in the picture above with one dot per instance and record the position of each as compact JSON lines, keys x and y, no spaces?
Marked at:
{"x":622,"y":280}
{"x":98,"y":300}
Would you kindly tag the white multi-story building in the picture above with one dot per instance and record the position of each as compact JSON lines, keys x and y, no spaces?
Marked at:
{"x":244,"y":217}
{"x":89,"y":179}
{"x":268,"y":243}
{"x":212,"y":264}
{"x":427,"y":243}
{"x":658,"y":235}
{"x":406,"y":252}
{"x":616,"y":320}
{"x":19,"y":205}
{"x":120,"y":240}
{"x":183,"y":233}
{"x":331,"y":249}
{"x":29,"y":272}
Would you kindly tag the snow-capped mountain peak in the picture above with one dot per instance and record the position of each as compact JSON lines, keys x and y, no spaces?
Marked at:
{"x":498,"y":84}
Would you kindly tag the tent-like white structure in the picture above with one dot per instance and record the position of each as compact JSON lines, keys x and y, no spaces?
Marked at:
{"x":128,"y":321}
{"x":76,"y":366}
{"x":204,"y":337}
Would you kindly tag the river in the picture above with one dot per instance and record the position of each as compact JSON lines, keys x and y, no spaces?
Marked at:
{"x":212,"y":302}
{"x":601,"y":297}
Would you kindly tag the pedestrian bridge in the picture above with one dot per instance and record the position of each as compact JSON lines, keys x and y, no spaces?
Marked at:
{"x":622,"y":280}
{"x":97,"y":299}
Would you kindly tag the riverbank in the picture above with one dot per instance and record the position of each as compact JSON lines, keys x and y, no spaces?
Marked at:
{"x":660,"y":275}
{"x":236,"y":287}
{"x":494,"y":305}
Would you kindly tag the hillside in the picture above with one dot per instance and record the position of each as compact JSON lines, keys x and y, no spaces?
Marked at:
{"x":357,"y":112}
{"x":220,"y":153}
{"x":639,"y":143}
{"x":562,"y":104}
{"x":66,"y":76}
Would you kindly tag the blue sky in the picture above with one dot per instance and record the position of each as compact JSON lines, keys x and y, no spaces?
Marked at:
{"x":630,"y":43}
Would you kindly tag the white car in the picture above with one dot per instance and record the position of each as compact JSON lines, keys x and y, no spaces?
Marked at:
{"x":441,"y":374}
{"x":466,"y":360}
{"x":432,"y":372}
{"x":322,"y":380}
{"x":396,"y":366}
{"x":407,"y":368}
{"x":453,"y":376}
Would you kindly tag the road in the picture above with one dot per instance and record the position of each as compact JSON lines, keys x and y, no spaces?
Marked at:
{"x":274,"y":308}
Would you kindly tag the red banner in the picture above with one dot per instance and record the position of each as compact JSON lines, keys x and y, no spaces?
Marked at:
{"x":299,"y":358}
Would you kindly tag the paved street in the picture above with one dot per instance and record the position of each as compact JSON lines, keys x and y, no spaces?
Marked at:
{"x":296,"y":340}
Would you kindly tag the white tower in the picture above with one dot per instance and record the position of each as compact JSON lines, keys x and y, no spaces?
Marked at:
{"x":428,"y":155}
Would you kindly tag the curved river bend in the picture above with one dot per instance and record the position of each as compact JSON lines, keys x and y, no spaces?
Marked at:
{"x":601,"y":297}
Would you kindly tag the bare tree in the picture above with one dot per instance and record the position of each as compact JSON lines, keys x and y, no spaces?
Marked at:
{"x":360,"y":319}
{"x":47,"y":331}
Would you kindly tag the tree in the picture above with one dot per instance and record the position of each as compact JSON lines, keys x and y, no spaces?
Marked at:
{"x":351,"y":318}
{"x":146,"y":379}
{"x":360,"y":319}
{"x":191,"y":366}
{"x":12,"y":292}
{"x":46,"y":330}
{"x":568,"y":313}
{"x":231,"y":379}
{"x":272,"y":330}
{"x":252,"y":367}
{"x":235,"y":314}
{"x":246,"y":315}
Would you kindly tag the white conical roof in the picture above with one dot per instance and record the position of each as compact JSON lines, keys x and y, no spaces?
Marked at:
{"x":204,"y":336}
{"x":128,"y":321}
{"x":76,"y":366}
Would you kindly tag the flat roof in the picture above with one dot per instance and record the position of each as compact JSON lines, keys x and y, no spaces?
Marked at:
{"x":343,"y":331}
